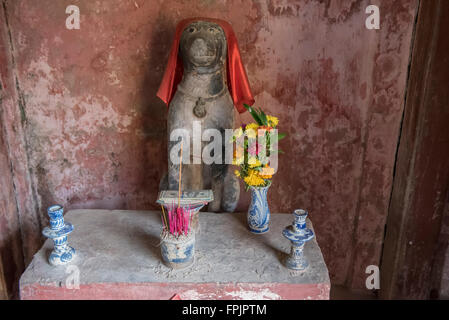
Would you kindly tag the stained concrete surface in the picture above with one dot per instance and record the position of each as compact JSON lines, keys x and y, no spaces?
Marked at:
{"x":123,"y":247}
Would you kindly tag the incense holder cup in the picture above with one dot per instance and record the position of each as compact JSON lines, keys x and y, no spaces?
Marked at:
{"x":194,"y":209}
{"x":298,"y":234}
{"x":59,"y":229}
{"x":190,"y":200}
{"x":178,"y":251}
{"x":258,"y":212}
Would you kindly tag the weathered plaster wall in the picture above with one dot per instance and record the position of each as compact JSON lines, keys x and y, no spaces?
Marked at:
{"x":94,"y":131}
{"x":13,"y":186}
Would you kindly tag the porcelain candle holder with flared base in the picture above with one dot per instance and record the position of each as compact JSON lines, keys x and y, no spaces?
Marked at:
{"x":298,"y":234}
{"x":59,"y":229}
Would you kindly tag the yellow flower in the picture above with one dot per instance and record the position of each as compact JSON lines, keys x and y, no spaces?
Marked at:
{"x":253,"y":126}
{"x":238,"y":132}
{"x":238,"y":161}
{"x":237,"y":173}
{"x":253,"y":179}
{"x":254,"y":162}
{"x":272,"y":121}
{"x":251,"y":133}
{"x":251,"y":130}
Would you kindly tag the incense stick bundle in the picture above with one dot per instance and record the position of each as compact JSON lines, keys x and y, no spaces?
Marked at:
{"x":179,"y":218}
{"x":178,"y":210}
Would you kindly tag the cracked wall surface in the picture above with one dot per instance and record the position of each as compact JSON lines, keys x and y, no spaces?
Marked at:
{"x":85,"y":128}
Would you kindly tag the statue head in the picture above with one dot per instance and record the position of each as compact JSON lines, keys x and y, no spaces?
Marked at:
{"x":203,"y":47}
{"x":206,"y":46}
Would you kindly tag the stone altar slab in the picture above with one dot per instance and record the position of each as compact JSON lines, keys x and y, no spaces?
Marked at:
{"x":118,"y":257}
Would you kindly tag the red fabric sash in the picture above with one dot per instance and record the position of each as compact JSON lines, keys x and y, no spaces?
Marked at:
{"x":237,"y":79}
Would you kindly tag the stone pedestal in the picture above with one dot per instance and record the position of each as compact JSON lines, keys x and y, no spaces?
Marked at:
{"x":119,"y":258}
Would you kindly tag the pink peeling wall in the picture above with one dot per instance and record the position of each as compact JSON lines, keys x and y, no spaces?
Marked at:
{"x":85,"y":129}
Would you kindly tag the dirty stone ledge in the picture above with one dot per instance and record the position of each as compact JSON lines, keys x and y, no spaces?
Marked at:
{"x":118,"y":257}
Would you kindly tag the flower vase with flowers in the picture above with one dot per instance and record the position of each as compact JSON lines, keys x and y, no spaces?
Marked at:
{"x":256,"y":145}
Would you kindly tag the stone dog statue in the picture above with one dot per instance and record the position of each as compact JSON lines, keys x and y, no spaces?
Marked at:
{"x":202,"y":95}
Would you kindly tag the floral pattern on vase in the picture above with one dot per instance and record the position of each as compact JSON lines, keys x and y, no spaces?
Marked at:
{"x":258,"y":211}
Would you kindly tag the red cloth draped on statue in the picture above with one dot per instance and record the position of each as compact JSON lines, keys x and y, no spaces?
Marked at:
{"x":237,"y":80}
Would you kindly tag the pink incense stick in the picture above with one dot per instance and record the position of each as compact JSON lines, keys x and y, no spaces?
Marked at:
{"x":171,"y":221}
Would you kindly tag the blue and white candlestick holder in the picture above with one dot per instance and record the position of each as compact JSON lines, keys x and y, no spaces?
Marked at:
{"x":298,"y":234}
{"x":58,"y":231}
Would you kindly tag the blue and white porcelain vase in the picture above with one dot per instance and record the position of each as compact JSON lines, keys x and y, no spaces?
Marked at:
{"x":258,"y":211}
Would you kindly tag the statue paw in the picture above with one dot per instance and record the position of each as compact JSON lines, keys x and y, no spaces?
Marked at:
{"x":231,"y":193}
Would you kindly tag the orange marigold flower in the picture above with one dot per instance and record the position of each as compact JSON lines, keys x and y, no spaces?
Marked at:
{"x":266,"y":171}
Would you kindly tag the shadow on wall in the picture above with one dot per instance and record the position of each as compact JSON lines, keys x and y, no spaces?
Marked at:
{"x":11,"y":266}
{"x":154,"y":112}
{"x":149,"y":133}
{"x":440,"y":269}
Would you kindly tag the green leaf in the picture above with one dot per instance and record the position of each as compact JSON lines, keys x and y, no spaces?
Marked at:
{"x":254,"y":114}
{"x":281,"y":136}
{"x":276,"y":151}
{"x":263,"y":117}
